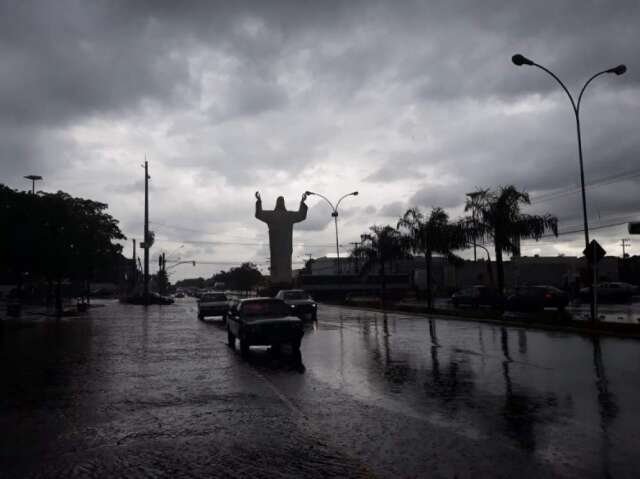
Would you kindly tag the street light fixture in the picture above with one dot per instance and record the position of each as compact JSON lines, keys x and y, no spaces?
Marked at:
{"x":33,"y":179}
{"x":334,"y":213}
{"x":520,"y":60}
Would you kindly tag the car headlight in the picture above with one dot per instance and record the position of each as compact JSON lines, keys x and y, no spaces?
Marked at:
{"x":293,"y":306}
{"x":314,"y":305}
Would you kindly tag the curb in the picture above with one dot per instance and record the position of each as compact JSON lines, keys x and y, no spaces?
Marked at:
{"x":584,"y":328}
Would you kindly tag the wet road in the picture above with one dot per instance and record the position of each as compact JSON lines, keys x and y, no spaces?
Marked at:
{"x":156,"y":393}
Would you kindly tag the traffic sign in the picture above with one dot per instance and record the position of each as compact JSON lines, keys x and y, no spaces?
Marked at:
{"x":594,"y":252}
{"x":634,"y":228}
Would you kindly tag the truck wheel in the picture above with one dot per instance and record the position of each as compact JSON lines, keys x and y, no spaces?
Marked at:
{"x":295,"y":347}
{"x":275,"y":350}
{"x":231,"y":339}
{"x":244,"y":348}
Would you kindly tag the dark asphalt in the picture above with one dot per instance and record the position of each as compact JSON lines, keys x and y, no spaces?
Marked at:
{"x":124,"y":392}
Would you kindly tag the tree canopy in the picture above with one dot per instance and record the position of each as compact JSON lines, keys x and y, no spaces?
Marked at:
{"x":55,"y":235}
{"x":496,"y":218}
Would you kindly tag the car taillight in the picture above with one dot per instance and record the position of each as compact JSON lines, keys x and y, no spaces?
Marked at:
{"x":548,"y":295}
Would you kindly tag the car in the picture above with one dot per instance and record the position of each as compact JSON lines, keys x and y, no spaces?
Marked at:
{"x":154,"y":298}
{"x":213,"y":304}
{"x":301,"y":304}
{"x":476,"y":296}
{"x":263,"y":322}
{"x":536,"y":298}
{"x":612,"y":291}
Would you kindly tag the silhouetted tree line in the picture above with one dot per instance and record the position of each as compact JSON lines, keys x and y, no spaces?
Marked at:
{"x":242,"y":278}
{"x":53,"y":237}
{"x":493,"y":217}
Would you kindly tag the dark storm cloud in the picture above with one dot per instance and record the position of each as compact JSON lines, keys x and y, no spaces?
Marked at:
{"x":318,"y":217}
{"x":393,"y":210}
{"x":421,"y":96}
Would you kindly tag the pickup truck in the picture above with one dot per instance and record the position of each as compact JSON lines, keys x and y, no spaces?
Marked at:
{"x":213,"y":304}
{"x":263,"y":322}
{"x":300,"y":303}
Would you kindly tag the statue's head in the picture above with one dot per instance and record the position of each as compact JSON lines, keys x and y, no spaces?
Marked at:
{"x":280,"y":204}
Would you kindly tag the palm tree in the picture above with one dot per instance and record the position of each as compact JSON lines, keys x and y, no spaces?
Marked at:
{"x":433,"y":235}
{"x":383,"y":245}
{"x":498,"y":219}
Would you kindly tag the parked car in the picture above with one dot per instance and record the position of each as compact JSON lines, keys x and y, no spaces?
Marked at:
{"x":476,"y":296}
{"x":536,"y":298}
{"x":301,"y":304}
{"x":613,"y":291}
{"x":263,"y":322}
{"x":213,"y":304}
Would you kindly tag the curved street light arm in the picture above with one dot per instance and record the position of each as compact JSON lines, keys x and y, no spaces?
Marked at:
{"x":342,"y":198}
{"x":324,"y":198}
{"x":566,"y":90}
{"x":486,"y":251}
{"x":585,"y":87}
{"x":179,"y":263}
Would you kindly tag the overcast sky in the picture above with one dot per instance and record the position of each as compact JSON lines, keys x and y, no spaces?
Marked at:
{"x":410,"y":103}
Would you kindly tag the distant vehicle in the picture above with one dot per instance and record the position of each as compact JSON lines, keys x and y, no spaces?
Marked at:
{"x":476,"y":296}
{"x":180,"y":295}
{"x":536,"y":298}
{"x":219,"y":286}
{"x":301,"y":304}
{"x":213,"y":304}
{"x":613,"y":291}
{"x":154,"y":298}
{"x":263,"y":322}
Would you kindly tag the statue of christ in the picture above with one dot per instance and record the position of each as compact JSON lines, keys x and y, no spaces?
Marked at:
{"x":280,"y":223}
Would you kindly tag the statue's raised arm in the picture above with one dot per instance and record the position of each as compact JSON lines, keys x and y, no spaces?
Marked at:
{"x":301,"y":214}
{"x":260,"y":214}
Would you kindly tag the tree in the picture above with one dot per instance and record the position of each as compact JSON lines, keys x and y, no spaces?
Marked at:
{"x":433,"y":235}
{"x":383,"y":245}
{"x":162,"y":281}
{"x":242,"y":278}
{"x":497,"y":218}
{"x":56,"y":236}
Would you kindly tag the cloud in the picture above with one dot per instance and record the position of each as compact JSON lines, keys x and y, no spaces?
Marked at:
{"x":395,"y":209}
{"x":412,"y":104}
{"x":318,"y":217}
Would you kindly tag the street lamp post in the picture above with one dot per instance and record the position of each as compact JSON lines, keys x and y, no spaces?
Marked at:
{"x":334,"y":213}
{"x":520,"y":60}
{"x":33,"y":179}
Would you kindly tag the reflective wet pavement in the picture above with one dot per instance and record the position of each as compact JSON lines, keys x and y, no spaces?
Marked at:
{"x":124,"y":392}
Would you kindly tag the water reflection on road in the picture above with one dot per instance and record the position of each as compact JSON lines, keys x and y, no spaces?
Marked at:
{"x":157,"y":393}
{"x":568,"y":402}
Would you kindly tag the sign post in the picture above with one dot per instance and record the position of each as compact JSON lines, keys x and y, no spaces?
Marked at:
{"x":594,"y":253}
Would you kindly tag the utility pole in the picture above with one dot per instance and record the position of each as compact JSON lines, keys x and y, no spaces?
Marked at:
{"x":625,"y":242}
{"x":134,"y":282}
{"x":146,"y":233}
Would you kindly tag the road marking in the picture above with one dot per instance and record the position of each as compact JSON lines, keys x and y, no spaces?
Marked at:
{"x":295,"y":409}
{"x":365,"y":471}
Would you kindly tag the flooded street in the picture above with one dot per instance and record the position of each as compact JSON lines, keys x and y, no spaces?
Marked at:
{"x":131,"y":392}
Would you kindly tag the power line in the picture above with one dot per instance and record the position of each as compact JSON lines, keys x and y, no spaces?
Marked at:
{"x":237,"y":243}
{"x":608,"y":180}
